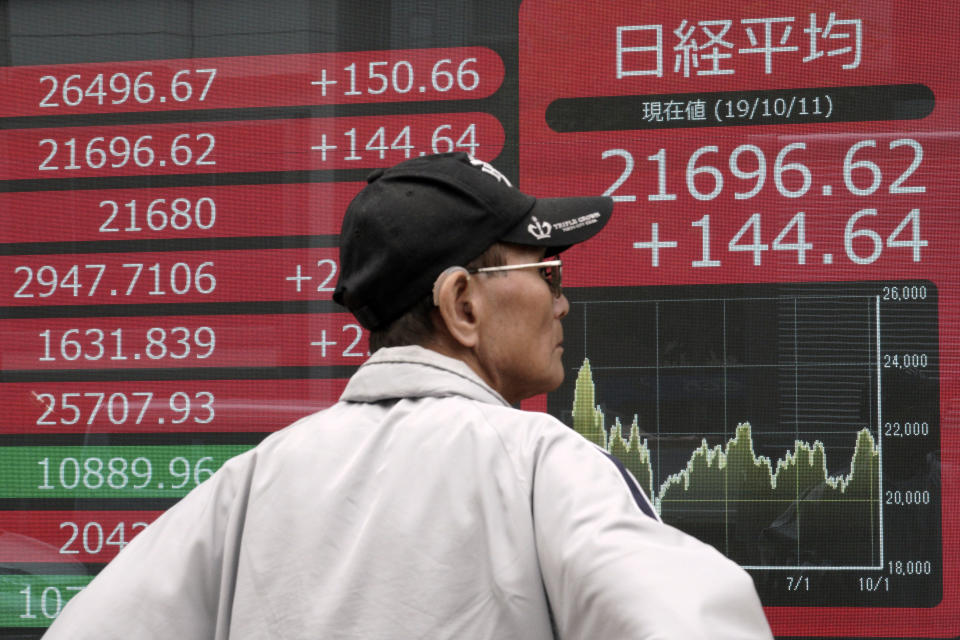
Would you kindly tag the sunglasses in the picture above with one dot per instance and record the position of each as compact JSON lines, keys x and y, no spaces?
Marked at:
{"x":550,"y":270}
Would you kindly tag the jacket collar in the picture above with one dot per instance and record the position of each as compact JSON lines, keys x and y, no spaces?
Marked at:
{"x":416,"y":372}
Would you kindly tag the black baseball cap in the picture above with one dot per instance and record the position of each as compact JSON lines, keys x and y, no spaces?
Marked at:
{"x":413,"y":220}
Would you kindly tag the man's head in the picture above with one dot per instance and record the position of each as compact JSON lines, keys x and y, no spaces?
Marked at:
{"x":415,"y":220}
{"x":504,"y":322}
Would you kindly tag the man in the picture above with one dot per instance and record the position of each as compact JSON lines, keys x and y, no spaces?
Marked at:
{"x":423,"y":505}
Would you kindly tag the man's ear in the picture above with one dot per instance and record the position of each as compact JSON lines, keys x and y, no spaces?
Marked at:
{"x":454,"y":295}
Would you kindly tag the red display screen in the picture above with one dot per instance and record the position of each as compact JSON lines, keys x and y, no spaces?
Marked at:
{"x":774,"y":303}
{"x":776,"y":298}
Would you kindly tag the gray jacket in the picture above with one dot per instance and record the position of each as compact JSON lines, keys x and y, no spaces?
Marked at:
{"x":419,"y":506}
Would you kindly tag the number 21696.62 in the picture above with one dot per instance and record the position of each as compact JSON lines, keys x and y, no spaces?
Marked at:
{"x":99,"y":152}
{"x":792,"y":178}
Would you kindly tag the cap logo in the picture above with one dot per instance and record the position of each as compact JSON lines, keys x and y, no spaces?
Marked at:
{"x":539,"y":230}
{"x":486,"y":167}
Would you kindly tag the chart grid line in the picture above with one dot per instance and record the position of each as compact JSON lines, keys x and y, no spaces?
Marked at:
{"x":820,"y":313}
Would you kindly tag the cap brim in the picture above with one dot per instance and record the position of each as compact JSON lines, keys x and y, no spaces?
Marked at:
{"x":559,"y":223}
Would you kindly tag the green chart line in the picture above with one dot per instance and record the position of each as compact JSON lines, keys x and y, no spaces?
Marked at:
{"x":732,"y":477}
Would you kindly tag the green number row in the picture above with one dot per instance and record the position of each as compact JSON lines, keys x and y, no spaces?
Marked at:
{"x":160,"y":471}
{"x":34,"y":601}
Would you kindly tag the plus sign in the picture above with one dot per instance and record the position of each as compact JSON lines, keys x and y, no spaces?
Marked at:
{"x":323,"y":343}
{"x":654,"y":244}
{"x":323,"y":147}
{"x":323,"y":82}
{"x":298,"y":278}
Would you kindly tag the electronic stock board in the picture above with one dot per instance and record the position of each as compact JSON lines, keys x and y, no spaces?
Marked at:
{"x":766,"y":333}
